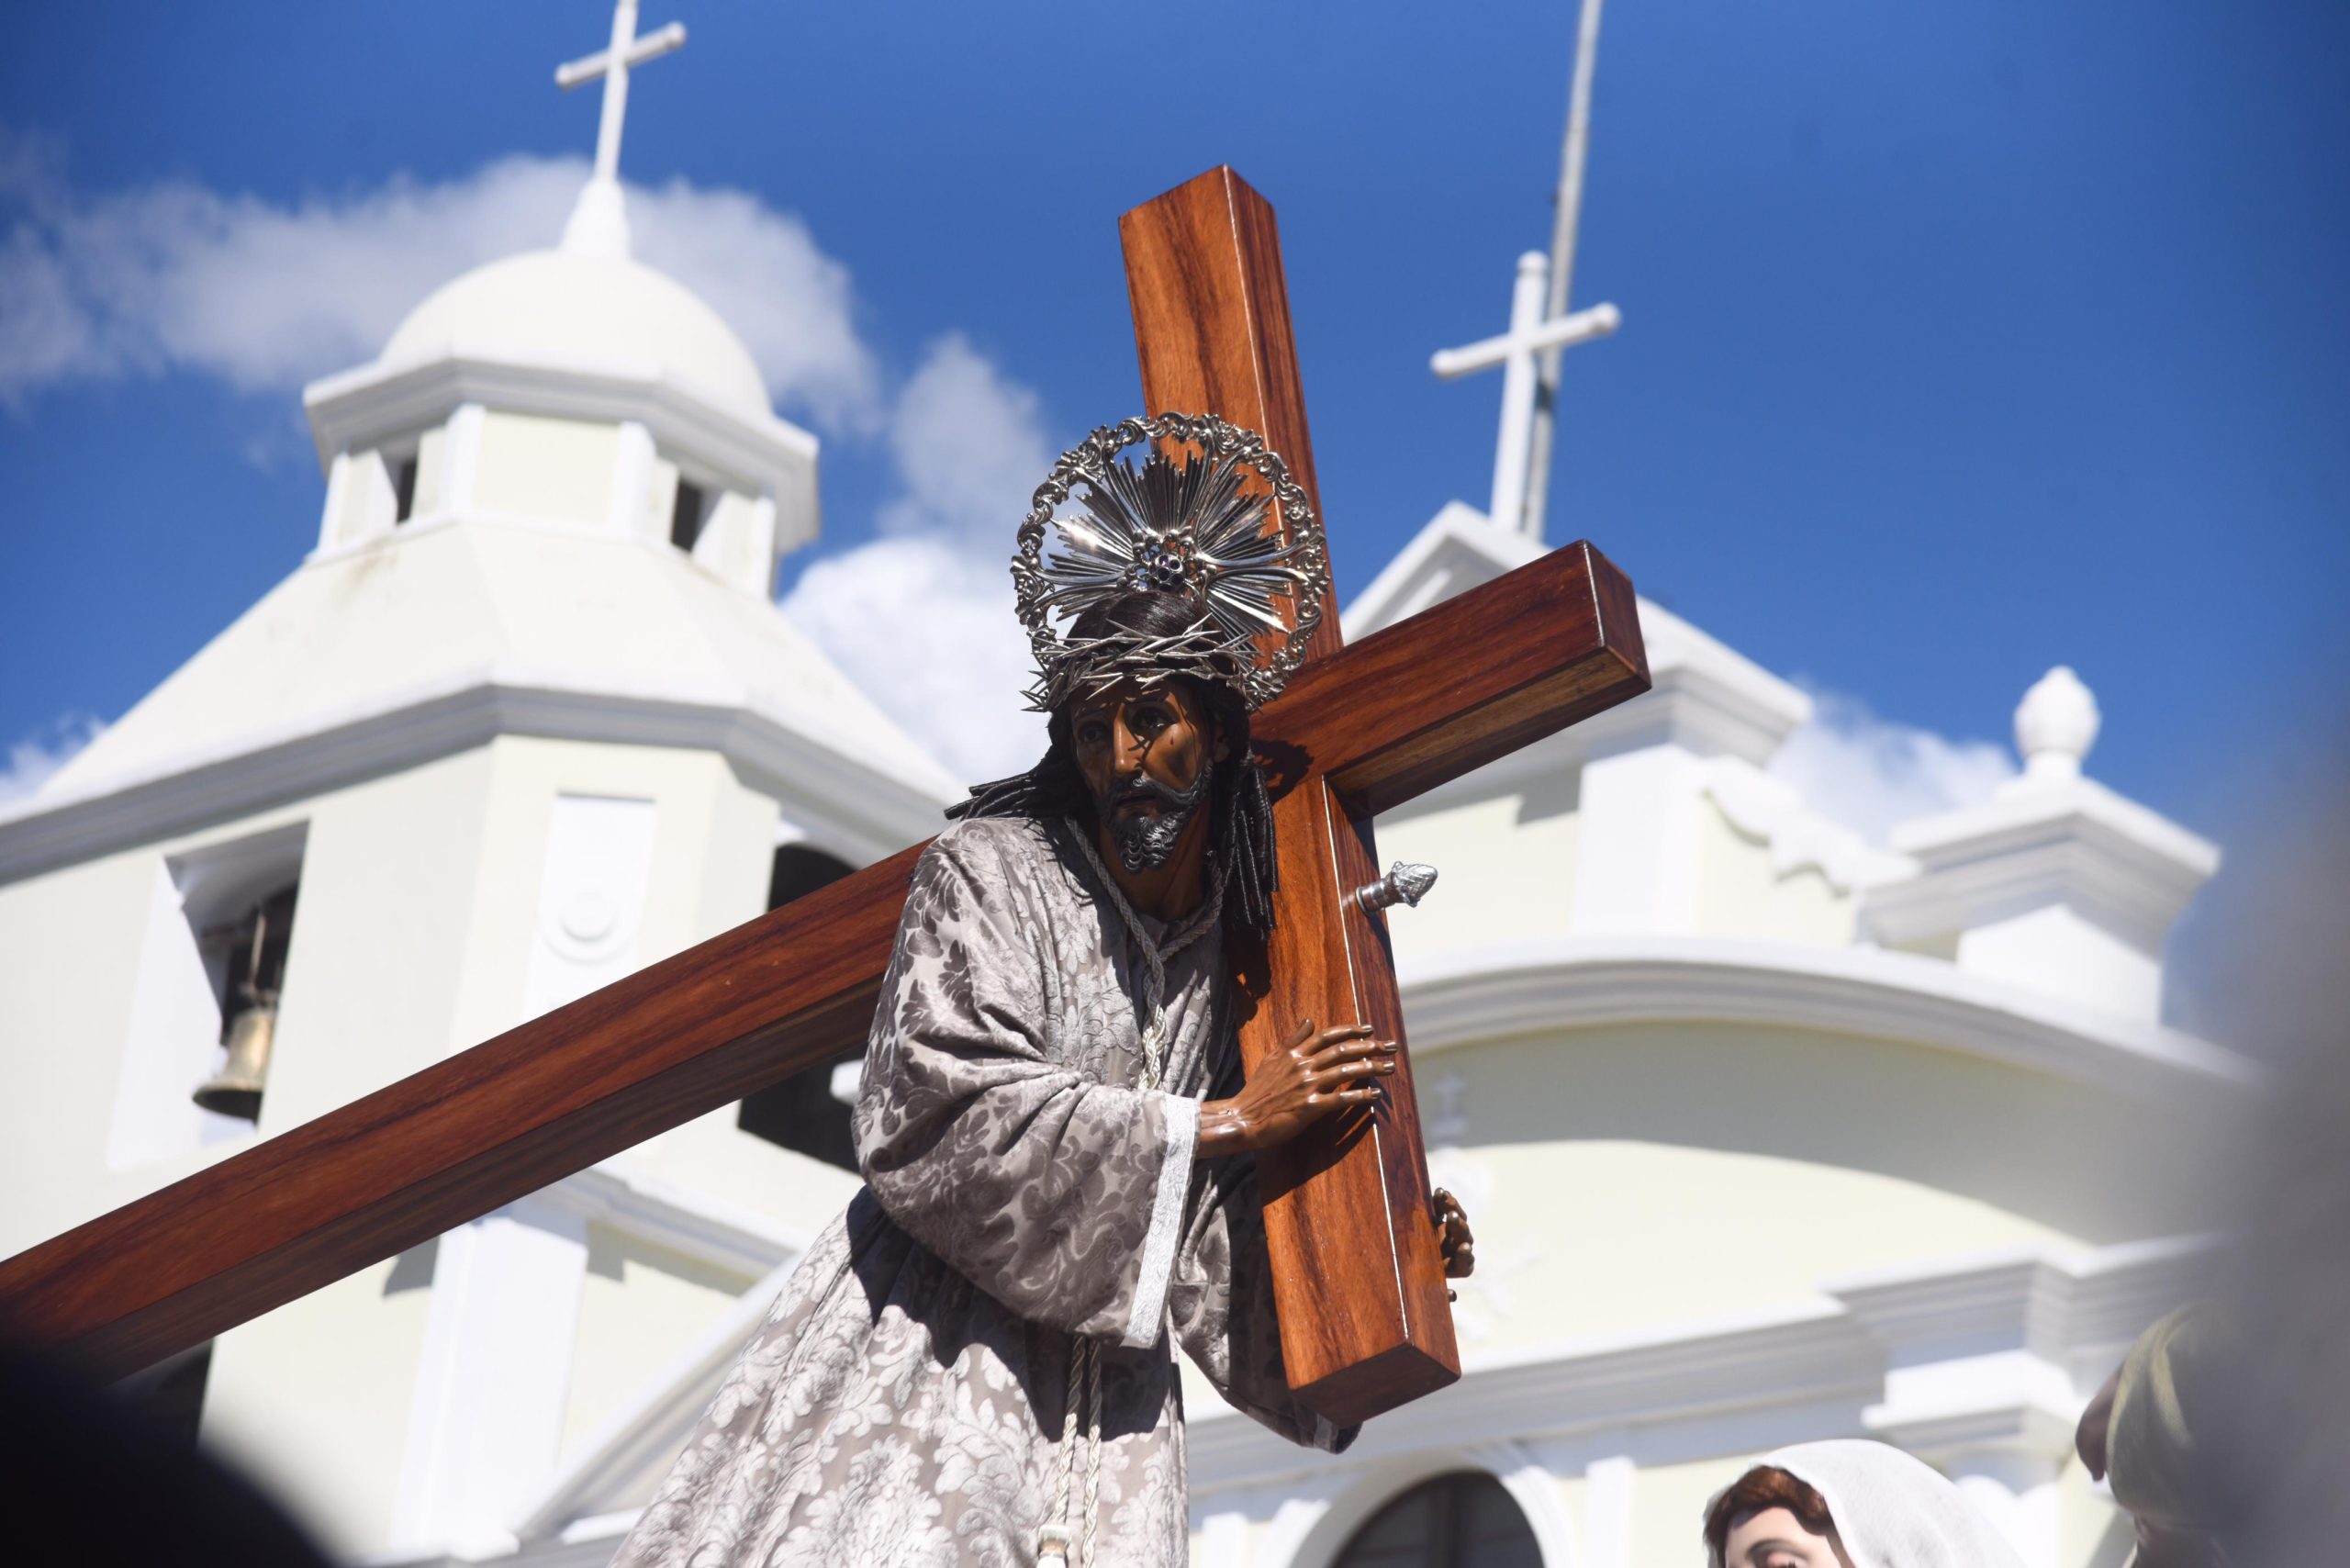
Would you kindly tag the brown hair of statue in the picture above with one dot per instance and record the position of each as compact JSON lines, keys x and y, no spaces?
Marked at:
{"x":1762,"y":1488}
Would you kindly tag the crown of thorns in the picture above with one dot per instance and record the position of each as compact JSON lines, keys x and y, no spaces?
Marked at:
{"x":1193,"y":528}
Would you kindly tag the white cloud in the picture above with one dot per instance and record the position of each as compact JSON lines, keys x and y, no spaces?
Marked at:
{"x":175,"y":275}
{"x":922,"y":618}
{"x":970,"y":446}
{"x":32,"y":760}
{"x":1869,"y":773}
{"x":762,"y":272}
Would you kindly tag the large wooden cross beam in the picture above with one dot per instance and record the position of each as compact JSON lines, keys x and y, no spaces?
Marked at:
{"x":1361,"y":730}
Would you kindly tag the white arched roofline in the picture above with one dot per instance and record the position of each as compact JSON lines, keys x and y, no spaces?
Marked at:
{"x":1505,"y":991}
{"x":848,"y":797}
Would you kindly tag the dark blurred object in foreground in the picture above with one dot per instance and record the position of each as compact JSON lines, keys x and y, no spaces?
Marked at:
{"x":2229,"y":1427}
{"x":89,"y":1480}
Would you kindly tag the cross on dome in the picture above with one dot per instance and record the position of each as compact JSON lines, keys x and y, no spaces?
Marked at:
{"x":1516,"y":352}
{"x":600,"y":223}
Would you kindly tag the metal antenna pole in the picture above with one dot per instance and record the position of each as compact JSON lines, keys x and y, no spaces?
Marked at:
{"x":1563,"y":270}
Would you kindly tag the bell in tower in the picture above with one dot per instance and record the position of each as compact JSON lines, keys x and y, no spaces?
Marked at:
{"x":254,"y":945}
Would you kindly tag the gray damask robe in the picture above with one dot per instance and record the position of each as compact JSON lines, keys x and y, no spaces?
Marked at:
{"x":902,"y":1406}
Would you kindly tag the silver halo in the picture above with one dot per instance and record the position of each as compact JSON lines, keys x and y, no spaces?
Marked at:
{"x":1185,"y":529}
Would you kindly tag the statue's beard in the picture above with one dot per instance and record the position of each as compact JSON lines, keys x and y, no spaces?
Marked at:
{"x":1142,"y":840}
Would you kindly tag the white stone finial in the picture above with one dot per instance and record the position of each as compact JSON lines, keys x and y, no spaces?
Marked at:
{"x":2057,"y":723}
{"x":598,"y":223}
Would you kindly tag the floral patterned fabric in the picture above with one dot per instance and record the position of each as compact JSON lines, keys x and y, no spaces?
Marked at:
{"x":903,"y":1404}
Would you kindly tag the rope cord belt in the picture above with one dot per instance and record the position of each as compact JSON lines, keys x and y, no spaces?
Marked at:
{"x":1154,"y":956}
{"x":1056,"y":1541}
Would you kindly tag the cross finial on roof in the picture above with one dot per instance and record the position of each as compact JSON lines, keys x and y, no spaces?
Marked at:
{"x":1516,"y":352}
{"x":600,"y":223}
{"x":1540,"y":326}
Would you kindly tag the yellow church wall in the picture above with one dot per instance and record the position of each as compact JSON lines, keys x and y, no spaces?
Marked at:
{"x":73,"y":939}
{"x":313,"y":1399}
{"x":639,"y":1307}
{"x":1739,"y":894}
{"x":379,"y":937}
{"x":361,"y":985}
{"x":1506,"y":869}
{"x":734,"y":550}
{"x":432,"y":456}
{"x":2080,"y":1159}
{"x":711,"y":1154}
{"x":319,"y":1392}
{"x":2090,"y":1531}
{"x":535,"y":466}
{"x":1575,"y":1495}
{"x":1669,"y":1510}
{"x":733,"y":883}
{"x":1602,"y":1237}
{"x":1640,"y":1177}
{"x":660,"y":497}
{"x":362,"y":505}
{"x":712,"y":843}
{"x":712,"y":840}
{"x":411,"y":940}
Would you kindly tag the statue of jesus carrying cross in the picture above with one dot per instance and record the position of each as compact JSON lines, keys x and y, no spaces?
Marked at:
{"x":974,"y":1362}
{"x":1061,"y":1152}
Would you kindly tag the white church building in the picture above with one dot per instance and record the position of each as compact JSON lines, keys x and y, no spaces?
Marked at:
{"x":1767,"y":1134}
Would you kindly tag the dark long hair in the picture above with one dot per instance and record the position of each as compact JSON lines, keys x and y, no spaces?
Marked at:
{"x":1240,"y":815}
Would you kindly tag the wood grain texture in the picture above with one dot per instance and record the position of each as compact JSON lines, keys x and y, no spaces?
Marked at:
{"x":1212,"y":329}
{"x":1475,"y":677}
{"x":426,"y":1154}
{"x":1211,"y":332}
{"x":1362,"y":729}
{"x":744,"y":1010}
{"x":1366,"y":1323}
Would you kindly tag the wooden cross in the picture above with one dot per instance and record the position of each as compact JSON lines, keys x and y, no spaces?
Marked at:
{"x":1361,"y":730}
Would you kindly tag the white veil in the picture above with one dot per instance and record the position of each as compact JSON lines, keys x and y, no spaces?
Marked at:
{"x":1892,"y":1510}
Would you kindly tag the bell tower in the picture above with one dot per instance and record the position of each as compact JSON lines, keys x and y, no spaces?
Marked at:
{"x":525,"y":719}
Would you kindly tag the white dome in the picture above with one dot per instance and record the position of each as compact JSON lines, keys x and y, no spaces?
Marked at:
{"x":576,"y":305}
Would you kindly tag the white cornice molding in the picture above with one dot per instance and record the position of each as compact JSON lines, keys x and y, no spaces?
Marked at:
{"x":2074,"y":842}
{"x":1839,"y":1349}
{"x":651,"y":1422}
{"x":769,"y":456}
{"x":2048,"y":1300}
{"x":1799,"y":838}
{"x":1805,"y":1352}
{"x":710,"y":1229}
{"x":1994,"y":1353}
{"x":861,"y":803}
{"x":656,"y":1416}
{"x":1516,"y":989}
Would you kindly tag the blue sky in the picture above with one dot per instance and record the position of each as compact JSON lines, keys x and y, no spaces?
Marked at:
{"x":1963,"y":337}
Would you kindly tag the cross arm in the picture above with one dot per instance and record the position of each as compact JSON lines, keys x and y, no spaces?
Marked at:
{"x":1388,"y":718}
{"x":652,"y":46}
{"x":1429,"y":699}
{"x":1562,"y":332}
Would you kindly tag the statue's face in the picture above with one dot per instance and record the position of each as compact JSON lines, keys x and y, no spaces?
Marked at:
{"x":1146,"y":754}
{"x":1776,"y":1539}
